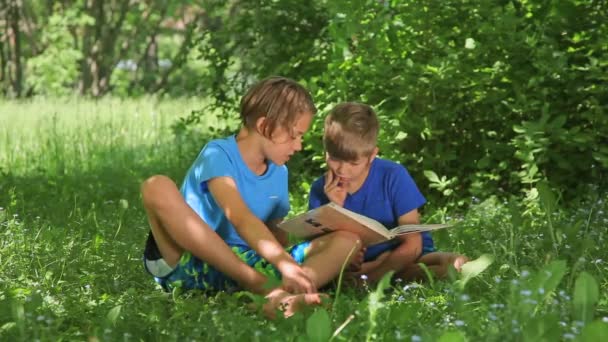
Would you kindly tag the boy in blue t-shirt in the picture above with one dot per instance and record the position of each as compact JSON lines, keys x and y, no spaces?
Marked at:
{"x":220,"y":231}
{"x":379,"y":189}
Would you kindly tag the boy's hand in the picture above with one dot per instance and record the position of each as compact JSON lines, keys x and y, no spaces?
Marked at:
{"x":335,"y":188}
{"x":357,"y":261}
{"x":370,"y":266}
{"x":295,"y":280}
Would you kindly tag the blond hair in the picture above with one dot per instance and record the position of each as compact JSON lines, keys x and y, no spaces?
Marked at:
{"x":351,"y":131}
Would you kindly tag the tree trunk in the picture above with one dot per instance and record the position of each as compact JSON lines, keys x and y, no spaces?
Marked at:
{"x":95,"y":53}
{"x":84,"y":83}
{"x":3,"y":53}
{"x":91,"y":46}
{"x":180,"y":57}
{"x":14,"y":42}
{"x":3,"y":83}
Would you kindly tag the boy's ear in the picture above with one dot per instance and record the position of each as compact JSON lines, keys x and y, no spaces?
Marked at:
{"x":260,"y":125}
{"x":374,"y":154}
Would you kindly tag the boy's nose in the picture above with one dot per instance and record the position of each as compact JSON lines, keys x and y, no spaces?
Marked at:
{"x":340,"y":167}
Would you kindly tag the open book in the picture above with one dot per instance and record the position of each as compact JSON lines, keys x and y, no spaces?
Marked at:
{"x":331,"y":217}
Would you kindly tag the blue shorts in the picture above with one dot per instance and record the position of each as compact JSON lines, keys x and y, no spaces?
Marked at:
{"x":193,"y":273}
{"x":428,"y":246}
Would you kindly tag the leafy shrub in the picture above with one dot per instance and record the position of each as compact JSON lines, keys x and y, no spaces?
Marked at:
{"x":481,"y":97}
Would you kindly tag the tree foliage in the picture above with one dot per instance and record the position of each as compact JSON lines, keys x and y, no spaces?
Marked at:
{"x":94,"y":47}
{"x":486,"y":97}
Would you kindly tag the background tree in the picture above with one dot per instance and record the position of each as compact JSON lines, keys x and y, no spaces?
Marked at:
{"x":10,"y":48}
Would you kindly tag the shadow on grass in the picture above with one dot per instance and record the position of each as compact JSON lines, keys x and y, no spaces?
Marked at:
{"x":82,"y":225}
{"x":56,"y":192}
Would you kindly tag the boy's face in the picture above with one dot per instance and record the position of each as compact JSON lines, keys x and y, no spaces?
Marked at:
{"x":284,"y":142}
{"x":350,"y":172}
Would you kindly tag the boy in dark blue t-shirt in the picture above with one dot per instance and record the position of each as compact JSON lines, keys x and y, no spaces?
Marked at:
{"x":379,"y":189}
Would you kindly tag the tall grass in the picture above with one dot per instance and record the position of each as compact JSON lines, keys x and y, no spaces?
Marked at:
{"x":72,"y":231}
{"x":80,"y":134}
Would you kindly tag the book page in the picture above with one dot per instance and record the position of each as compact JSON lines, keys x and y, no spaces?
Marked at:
{"x":369,"y":222}
{"x":326,"y":219}
{"x":417,"y":228}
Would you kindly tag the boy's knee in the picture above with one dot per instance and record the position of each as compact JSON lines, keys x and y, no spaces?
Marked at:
{"x":154,"y":187}
{"x":347,"y":238}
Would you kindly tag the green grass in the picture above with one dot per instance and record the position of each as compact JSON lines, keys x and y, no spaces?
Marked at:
{"x":72,"y":231}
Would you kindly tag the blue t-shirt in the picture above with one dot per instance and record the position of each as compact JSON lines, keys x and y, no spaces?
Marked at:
{"x":266,"y":195}
{"x":387,"y":193}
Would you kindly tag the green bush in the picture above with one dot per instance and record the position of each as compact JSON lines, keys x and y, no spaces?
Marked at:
{"x":480,"y":97}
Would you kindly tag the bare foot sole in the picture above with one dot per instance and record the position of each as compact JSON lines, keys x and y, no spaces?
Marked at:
{"x":288,"y":303}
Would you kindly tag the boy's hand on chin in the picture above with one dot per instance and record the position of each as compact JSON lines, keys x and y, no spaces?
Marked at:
{"x":335,"y":188}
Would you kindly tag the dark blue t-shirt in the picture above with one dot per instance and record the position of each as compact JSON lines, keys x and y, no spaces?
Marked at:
{"x":387,"y":193}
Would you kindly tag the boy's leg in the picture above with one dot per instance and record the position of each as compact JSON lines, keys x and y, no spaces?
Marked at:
{"x":176,"y":227}
{"x":437,"y":262}
{"x":393,"y":256}
{"x":327,"y":254}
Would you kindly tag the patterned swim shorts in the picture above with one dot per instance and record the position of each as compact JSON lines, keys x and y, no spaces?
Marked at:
{"x":193,"y":273}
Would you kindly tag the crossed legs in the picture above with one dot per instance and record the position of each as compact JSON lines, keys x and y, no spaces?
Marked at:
{"x":177,"y":228}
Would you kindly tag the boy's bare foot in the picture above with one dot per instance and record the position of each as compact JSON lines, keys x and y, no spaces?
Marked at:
{"x":459,"y":261}
{"x":289,"y":304}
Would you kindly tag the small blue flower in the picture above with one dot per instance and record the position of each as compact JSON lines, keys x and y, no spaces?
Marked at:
{"x":494,"y":305}
{"x":416,"y":338}
{"x":410,"y":286}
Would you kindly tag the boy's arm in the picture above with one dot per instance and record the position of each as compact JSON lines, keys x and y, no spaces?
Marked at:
{"x":408,"y":251}
{"x":316,"y":195}
{"x":281,"y":235}
{"x":257,"y":234}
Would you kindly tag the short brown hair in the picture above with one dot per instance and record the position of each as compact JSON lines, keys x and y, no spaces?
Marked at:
{"x":279,"y":99}
{"x":351,"y":131}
